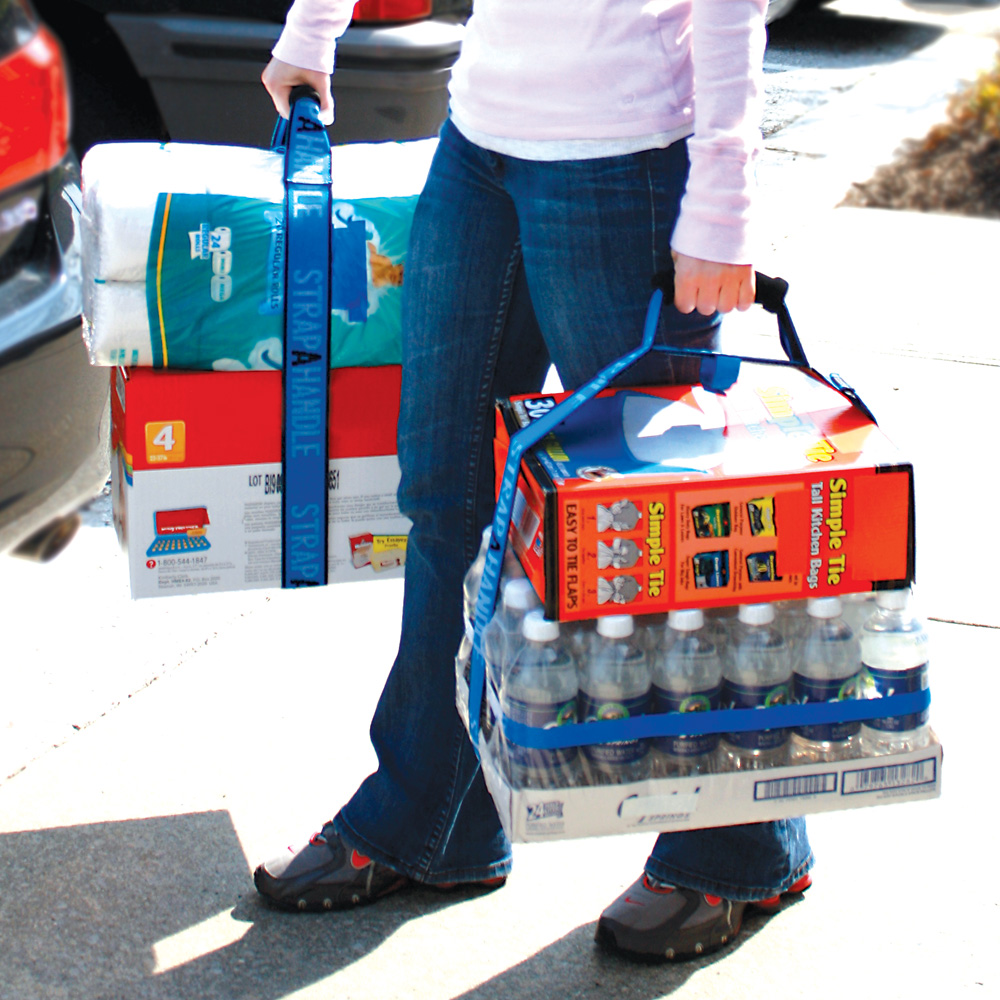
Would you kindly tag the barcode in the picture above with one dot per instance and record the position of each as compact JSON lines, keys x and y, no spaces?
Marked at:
{"x":789,"y":788}
{"x":873,"y":779}
{"x":525,"y":520}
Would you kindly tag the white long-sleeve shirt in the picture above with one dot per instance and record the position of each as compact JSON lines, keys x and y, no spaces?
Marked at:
{"x":533,"y":72}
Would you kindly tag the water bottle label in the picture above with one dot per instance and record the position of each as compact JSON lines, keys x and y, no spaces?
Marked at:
{"x":876,"y":683}
{"x":695,"y":701}
{"x":807,"y":689}
{"x":755,"y":696}
{"x":622,"y":751}
{"x":547,"y":715}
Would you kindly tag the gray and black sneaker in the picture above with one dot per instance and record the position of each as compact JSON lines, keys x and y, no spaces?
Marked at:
{"x":656,"y":922}
{"x":328,"y":874}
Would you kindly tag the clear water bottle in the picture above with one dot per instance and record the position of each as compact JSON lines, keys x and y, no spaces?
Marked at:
{"x":858,"y":608}
{"x":578,"y":636}
{"x":687,"y":677}
{"x":895,"y":658}
{"x":826,"y":669}
{"x":614,"y":684}
{"x":473,"y":578}
{"x":502,"y":639}
{"x":720,"y":624}
{"x":649,"y":632}
{"x":757,"y":675}
{"x":540,"y":690}
{"x":510,"y":570}
{"x":791,"y":619}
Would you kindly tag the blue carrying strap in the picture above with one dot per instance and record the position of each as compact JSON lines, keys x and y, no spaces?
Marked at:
{"x":519,"y":443}
{"x":729,"y":720}
{"x":718,"y":373}
{"x":306,"y":371}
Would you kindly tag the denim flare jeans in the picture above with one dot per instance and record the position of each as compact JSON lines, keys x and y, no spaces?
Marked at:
{"x":514,"y":264}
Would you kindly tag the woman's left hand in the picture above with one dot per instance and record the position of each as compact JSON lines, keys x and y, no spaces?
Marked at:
{"x":711,"y":287}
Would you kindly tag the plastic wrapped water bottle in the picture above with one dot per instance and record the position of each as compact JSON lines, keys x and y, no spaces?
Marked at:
{"x":858,"y":608}
{"x":614,"y":684}
{"x":578,"y":636}
{"x":503,"y":636}
{"x":895,"y":658}
{"x":720,"y":625}
{"x":510,"y":570}
{"x":757,"y":675}
{"x":473,"y":578}
{"x":791,"y":619}
{"x":649,"y":632}
{"x":502,"y":639}
{"x":687,"y":677}
{"x":540,"y":690}
{"x":826,"y":669}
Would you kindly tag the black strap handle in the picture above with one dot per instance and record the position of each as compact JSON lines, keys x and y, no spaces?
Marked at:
{"x":279,"y":137}
{"x":770,"y":295}
{"x":301,"y":90}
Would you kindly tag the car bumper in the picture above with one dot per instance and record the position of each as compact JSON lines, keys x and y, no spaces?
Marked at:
{"x":391,"y":81}
{"x":54,"y":433}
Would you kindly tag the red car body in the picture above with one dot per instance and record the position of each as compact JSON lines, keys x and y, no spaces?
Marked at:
{"x":53,"y":404}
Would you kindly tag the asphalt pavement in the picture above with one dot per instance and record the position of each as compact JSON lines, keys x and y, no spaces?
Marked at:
{"x":151,"y":753}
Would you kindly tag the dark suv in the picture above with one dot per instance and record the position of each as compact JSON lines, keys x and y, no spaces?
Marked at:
{"x":189,"y":70}
{"x":53,"y":404}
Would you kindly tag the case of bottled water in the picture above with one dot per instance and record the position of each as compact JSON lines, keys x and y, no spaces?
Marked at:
{"x":646,"y":673}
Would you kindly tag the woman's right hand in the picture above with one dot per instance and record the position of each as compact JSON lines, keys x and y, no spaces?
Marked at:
{"x":280,"y":77}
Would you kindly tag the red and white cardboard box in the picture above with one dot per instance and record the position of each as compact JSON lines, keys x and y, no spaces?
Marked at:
{"x":196,"y":480}
{"x":647,"y":499}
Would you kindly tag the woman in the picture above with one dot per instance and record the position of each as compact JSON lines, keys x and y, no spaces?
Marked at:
{"x":571,"y":168}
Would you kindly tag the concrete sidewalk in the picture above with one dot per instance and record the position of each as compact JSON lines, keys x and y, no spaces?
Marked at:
{"x":212,"y":730}
{"x":126,"y":852}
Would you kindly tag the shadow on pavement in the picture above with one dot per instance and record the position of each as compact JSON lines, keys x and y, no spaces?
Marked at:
{"x":575,"y":967}
{"x":164,"y":908}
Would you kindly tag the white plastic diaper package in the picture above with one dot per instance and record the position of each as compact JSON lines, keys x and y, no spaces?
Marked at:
{"x":184,"y":253}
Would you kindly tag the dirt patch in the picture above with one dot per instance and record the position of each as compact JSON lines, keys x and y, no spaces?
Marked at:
{"x":955,"y":168}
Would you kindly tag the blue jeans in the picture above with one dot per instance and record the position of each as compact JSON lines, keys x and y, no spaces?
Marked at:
{"x":513,"y":264}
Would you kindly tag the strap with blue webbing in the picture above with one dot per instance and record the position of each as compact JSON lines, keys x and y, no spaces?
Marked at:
{"x":718,"y":372}
{"x":305,"y":378}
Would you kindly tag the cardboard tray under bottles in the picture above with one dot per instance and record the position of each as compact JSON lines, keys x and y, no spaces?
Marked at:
{"x":727,"y":799}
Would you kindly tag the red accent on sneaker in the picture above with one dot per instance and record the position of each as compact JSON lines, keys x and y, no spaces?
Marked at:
{"x":796,"y":889}
{"x":486,"y":883}
{"x":655,"y":888}
{"x":802,"y":884}
{"x":713,"y":900}
{"x":358,"y":860}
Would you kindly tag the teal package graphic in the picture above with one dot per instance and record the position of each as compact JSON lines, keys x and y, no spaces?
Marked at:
{"x":215,"y":281}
